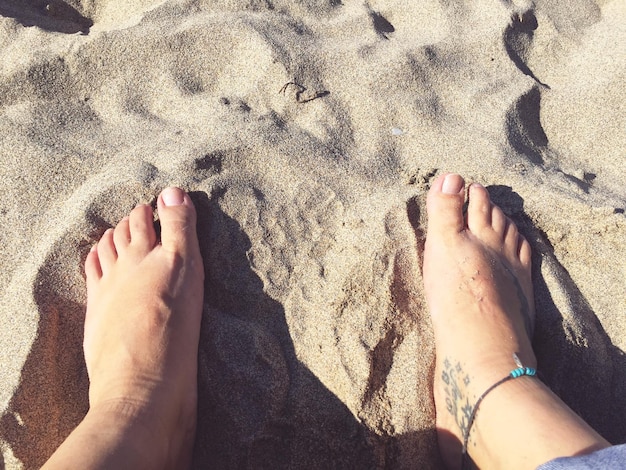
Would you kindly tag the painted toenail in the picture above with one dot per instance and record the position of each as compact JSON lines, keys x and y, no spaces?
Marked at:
{"x":452,"y":184}
{"x":173,"y":196}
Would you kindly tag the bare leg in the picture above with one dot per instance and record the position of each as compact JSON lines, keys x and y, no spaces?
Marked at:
{"x":478,"y":287}
{"x":141,"y":343}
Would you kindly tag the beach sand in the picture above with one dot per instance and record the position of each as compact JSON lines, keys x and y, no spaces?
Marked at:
{"x":307,"y":133}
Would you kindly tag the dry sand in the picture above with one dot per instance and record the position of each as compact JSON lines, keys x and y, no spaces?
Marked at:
{"x":316,"y":348}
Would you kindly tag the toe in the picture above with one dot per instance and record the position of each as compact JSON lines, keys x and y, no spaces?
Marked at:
{"x":142,"y":234}
{"x":178,"y":221}
{"x":121,"y":235}
{"x":524,"y":252}
{"x":499,"y":221}
{"x":93,"y":270}
{"x":478,"y":209}
{"x":511,"y":240}
{"x":107,"y":254}
{"x":445,"y":204}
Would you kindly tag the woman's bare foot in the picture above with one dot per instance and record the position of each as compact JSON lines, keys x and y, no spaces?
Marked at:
{"x":144,"y":305}
{"x":477,"y":278}
{"x":479,"y":292}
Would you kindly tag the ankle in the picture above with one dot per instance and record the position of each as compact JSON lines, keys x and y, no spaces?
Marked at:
{"x":502,"y":428}
{"x":136,"y":424}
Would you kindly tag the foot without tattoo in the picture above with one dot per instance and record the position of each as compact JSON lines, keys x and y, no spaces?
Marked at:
{"x":144,"y":305}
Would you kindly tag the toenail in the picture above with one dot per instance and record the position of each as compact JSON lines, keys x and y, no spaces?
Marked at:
{"x":452,"y":184}
{"x":173,"y":196}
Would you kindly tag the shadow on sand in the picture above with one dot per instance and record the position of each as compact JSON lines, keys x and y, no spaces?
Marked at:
{"x":260,"y":407}
{"x":50,"y":15}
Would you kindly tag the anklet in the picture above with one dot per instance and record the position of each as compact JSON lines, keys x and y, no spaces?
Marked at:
{"x":514,"y":374}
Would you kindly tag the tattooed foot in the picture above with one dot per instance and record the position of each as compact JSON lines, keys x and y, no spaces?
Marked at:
{"x":478,"y":287}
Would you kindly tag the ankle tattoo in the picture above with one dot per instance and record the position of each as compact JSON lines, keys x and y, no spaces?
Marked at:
{"x":457,"y":399}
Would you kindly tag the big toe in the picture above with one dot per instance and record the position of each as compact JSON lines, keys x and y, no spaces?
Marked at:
{"x":178,"y":221}
{"x":445,"y":204}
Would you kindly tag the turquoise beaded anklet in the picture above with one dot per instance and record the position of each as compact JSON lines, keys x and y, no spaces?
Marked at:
{"x":514,"y":374}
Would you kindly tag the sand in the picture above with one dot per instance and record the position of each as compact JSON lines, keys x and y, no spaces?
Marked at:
{"x":307,"y":133}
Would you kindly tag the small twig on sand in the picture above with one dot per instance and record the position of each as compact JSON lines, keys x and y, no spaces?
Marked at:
{"x":301,"y":89}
